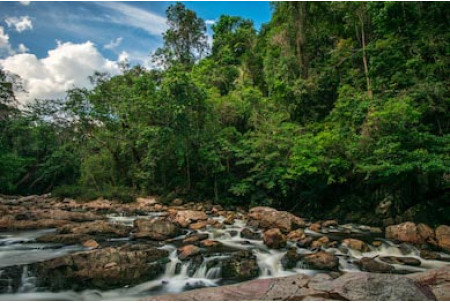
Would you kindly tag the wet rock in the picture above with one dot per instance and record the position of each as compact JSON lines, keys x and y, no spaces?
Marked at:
{"x":198,"y":225}
{"x":67,"y":215}
{"x":102,"y":268}
{"x":8,"y":223}
{"x":410,"y":232}
{"x":186,"y":217}
{"x":316,"y":227}
{"x":433,"y":255}
{"x":196,"y":238}
{"x":290,"y":259}
{"x":63,"y":239}
{"x":240,"y":267}
{"x":188,"y":251}
{"x":146,"y":201}
{"x":273,"y":238}
{"x":296,"y":235}
{"x":356,"y":245}
{"x":96,"y":228}
{"x":305,"y":242}
{"x":229,"y":220}
{"x":210,"y":243}
{"x":247,"y":233}
{"x":443,"y":237}
{"x":401,"y":260}
{"x":154,"y":229}
{"x":91,"y":244}
{"x":266,"y":217}
{"x":98,"y":205}
{"x":377,"y":243}
{"x":371,"y":265}
{"x":321,"y":242}
{"x":322,"y":260}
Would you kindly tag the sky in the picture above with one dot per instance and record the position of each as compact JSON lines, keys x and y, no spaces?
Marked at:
{"x":55,"y":46}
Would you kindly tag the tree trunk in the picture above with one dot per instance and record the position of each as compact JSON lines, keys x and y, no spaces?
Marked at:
{"x":365,"y":62}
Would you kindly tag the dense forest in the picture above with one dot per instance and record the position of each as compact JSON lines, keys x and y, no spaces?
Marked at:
{"x":329,"y":107}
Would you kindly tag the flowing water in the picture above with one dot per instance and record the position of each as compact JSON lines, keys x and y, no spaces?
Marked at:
{"x":20,"y":248}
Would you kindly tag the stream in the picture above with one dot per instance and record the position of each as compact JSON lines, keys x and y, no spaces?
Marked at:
{"x":20,"y":248}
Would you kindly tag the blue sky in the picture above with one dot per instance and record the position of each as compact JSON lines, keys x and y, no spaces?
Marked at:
{"x":103,"y":22}
{"x":55,"y":46}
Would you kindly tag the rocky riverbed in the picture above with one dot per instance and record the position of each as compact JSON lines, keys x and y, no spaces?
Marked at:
{"x":62,"y":249}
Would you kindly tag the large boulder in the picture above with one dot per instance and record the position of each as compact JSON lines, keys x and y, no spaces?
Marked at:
{"x":186,"y":217}
{"x":411,"y":233}
{"x":443,"y":237}
{"x":155,"y":229}
{"x":188,"y":251}
{"x":240,"y":267}
{"x":102,"y":268}
{"x":438,"y":280}
{"x":63,"y":238}
{"x":9,"y":223}
{"x":401,"y":260}
{"x":322,"y":260}
{"x":372,"y":265}
{"x":247,"y":233}
{"x":267,"y":217}
{"x":356,"y":245}
{"x":273,"y":238}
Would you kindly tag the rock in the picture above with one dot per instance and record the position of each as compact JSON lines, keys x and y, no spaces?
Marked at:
{"x":410,"y":232}
{"x":296,"y":235}
{"x":147,"y":201}
{"x":98,"y":205}
{"x":305,"y":242}
{"x":7,"y":223}
{"x":316,"y":227}
{"x":91,"y":244}
{"x":188,"y":251}
{"x":383,"y":209}
{"x":96,"y":228}
{"x":266,"y":217}
{"x":401,"y":260}
{"x":155,"y":229}
{"x":198,"y":225}
{"x":210,"y":243}
{"x":229,"y":220}
{"x":67,"y":215}
{"x":247,"y":233}
{"x":329,"y":223}
{"x":273,"y":238}
{"x":358,"y":286}
{"x":377,"y":243}
{"x":240,"y":267}
{"x":102,"y":268}
{"x":186,"y":217}
{"x":196,"y":238}
{"x":371,"y":265}
{"x":63,"y":239}
{"x":443,"y":237}
{"x":356,"y":245}
{"x":177,"y":202}
{"x":321,"y":242}
{"x":438,"y":280}
{"x":432,"y":255}
{"x":290,"y":259}
{"x":322,"y":260}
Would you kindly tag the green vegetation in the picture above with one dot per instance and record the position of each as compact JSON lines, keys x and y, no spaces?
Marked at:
{"x":329,"y":105}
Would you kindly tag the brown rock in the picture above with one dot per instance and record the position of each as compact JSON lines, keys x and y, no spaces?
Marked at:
{"x":443,"y":237}
{"x":316,"y":227}
{"x":371,"y":265}
{"x":155,"y":229}
{"x":198,"y":225}
{"x":95,"y":228}
{"x":266,"y":217}
{"x":186,"y":217}
{"x":91,"y":244}
{"x":410,"y":232}
{"x":188,"y":251}
{"x":210,"y":243}
{"x":273,"y":238}
{"x":296,"y":235}
{"x":195,"y":238}
{"x":438,"y":280}
{"x":64,"y":238}
{"x":322,"y":260}
{"x":401,"y":260}
{"x":356,"y":245}
{"x":329,"y":223}
{"x":322,"y":241}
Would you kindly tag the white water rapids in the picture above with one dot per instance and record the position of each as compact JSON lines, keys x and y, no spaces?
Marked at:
{"x":20,"y":248}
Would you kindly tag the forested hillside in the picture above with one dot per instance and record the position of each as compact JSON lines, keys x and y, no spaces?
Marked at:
{"x":339,"y":107}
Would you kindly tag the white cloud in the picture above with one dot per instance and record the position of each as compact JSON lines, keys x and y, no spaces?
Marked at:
{"x":113,"y":43}
{"x":129,"y":15}
{"x":210,"y":22}
{"x":20,"y":24}
{"x":22,"y":48}
{"x":65,"y":67}
{"x":5,"y":46}
{"x":123,"y":57}
{"x":25,"y":2}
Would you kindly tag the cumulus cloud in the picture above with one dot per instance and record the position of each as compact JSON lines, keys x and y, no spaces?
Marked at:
{"x":22,"y":48}
{"x":25,"y":2}
{"x":129,"y":15}
{"x":210,"y":22}
{"x":19,"y":23}
{"x":113,"y":43}
{"x":123,"y":57}
{"x":5,"y":46}
{"x":65,"y":67}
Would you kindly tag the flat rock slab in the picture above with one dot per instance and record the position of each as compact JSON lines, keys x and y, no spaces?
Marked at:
{"x":350,"y":286}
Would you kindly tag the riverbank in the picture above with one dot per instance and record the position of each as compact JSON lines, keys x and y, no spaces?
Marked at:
{"x":53,"y":248}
